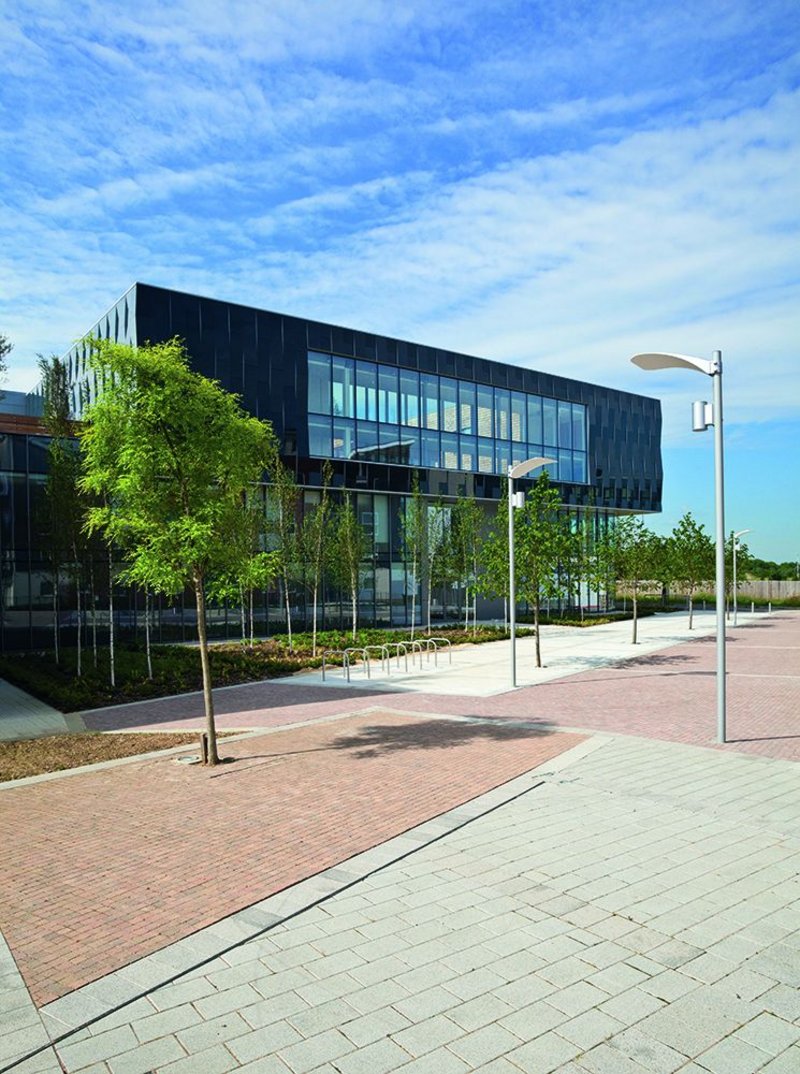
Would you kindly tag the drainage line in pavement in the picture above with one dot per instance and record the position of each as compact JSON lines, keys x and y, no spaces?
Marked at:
{"x":267,"y":928}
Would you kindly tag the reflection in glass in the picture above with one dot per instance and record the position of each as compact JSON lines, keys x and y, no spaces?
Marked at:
{"x":429,"y":390}
{"x":578,"y":427}
{"x":485,"y":411}
{"x":319,"y":437}
{"x":549,"y":423}
{"x":469,"y":453}
{"x":388,"y":409}
{"x":319,"y":383}
{"x":344,"y":434}
{"x":430,"y":448}
{"x":502,"y":420}
{"x":448,"y":396}
{"x":366,"y":391}
{"x":343,"y":373}
{"x":518,"y":417}
{"x":409,"y":398}
{"x":450,"y":451}
{"x":485,"y":455}
{"x":564,"y":425}
{"x":466,"y":398}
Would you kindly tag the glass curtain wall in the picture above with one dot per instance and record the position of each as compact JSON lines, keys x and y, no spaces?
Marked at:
{"x":363,"y":410}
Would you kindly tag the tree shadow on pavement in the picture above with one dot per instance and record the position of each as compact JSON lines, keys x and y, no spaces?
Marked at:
{"x":379,"y":740}
{"x":653,"y":660}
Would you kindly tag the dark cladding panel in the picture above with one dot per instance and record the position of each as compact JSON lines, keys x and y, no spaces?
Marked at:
{"x":319,"y":336}
{"x":343,"y":341}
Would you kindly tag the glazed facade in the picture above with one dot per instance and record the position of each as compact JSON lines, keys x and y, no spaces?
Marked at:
{"x":381,"y":409}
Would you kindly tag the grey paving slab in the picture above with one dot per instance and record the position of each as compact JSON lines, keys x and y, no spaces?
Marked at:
{"x":476,"y":953}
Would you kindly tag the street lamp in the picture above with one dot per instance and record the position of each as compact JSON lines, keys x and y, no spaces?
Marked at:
{"x":703,"y":416}
{"x":515,"y":472}
{"x":736,"y":537}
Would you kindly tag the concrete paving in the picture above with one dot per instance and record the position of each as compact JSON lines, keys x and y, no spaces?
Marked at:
{"x":629,"y":904}
{"x":24,"y":716}
{"x":632,"y":906}
{"x":484,"y":670}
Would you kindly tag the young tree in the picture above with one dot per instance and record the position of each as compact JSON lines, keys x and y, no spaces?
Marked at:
{"x":466,"y":526}
{"x":315,"y":540}
{"x":412,"y":536}
{"x":631,"y":552}
{"x":494,"y":578}
{"x":693,"y":557}
{"x":65,"y":505}
{"x":664,"y":565}
{"x":283,"y":498}
{"x":436,"y":568}
{"x":350,"y":547}
{"x":543,"y":542}
{"x":174,"y":455}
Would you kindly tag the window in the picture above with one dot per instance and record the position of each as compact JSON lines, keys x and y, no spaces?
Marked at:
{"x":549,"y":423}
{"x":344,"y":433}
{"x":429,"y":386}
{"x":502,"y":419}
{"x":469,"y":453}
{"x":366,"y":391}
{"x":430,"y":448}
{"x":485,"y":412}
{"x":343,"y":373}
{"x":388,"y":408}
{"x":565,"y":425}
{"x":450,"y":451}
{"x":518,"y":417}
{"x":485,"y":455}
{"x":578,"y":427}
{"x":409,"y":398}
{"x":448,"y":397}
{"x":319,"y":437}
{"x":466,"y":399}
{"x":319,"y":383}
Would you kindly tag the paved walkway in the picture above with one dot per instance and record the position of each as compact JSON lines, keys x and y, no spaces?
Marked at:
{"x":23,"y":716}
{"x":634,"y":908}
{"x":381,"y":884}
{"x":658,"y":689}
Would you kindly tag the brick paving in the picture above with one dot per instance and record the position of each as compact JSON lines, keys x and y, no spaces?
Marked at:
{"x":668,"y":695}
{"x":110,"y":865}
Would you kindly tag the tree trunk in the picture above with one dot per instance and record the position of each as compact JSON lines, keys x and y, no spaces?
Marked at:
{"x":78,"y":653}
{"x":242,"y":614}
{"x":314,"y":621}
{"x":93,"y":598}
{"x":536,"y":630}
{"x":252,"y":620}
{"x":55,"y":616}
{"x":691,"y":610}
{"x":288,"y":613}
{"x":147,"y":635}
{"x":354,"y":602}
{"x":208,"y":700}
{"x":112,"y":666}
{"x":413,"y":596}
{"x":635,"y":599}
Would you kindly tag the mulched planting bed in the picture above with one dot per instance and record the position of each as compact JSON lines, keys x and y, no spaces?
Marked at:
{"x":56,"y":753}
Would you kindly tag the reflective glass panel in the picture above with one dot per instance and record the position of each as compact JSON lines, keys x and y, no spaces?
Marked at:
{"x":409,"y":398}
{"x":579,"y":466}
{"x":429,"y":388}
{"x":502,"y":458}
{"x":485,"y":455}
{"x":485,"y":411}
{"x":344,"y":439}
{"x":469,"y":453}
{"x":430,"y":448}
{"x":564,"y":425}
{"x":564,"y":465}
{"x":518,"y":417}
{"x":343,"y":374}
{"x":502,"y":420}
{"x":450,"y":451}
{"x":409,"y":447}
{"x":388,"y":402}
{"x":578,"y":427}
{"x":367,"y":439}
{"x":466,"y":398}
{"x":549,"y":423}
{"x":319,"y":437}
{"x":319,"y":383}
{"x":366,"y":391}
{"x":448,"y":398}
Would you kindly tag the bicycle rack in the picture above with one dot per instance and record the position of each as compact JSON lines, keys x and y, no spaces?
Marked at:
{"x":353,"y":653}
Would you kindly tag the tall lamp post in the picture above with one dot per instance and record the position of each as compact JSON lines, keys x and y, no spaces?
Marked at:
{"x":703,"y":416}
{"x":515,"y":472}
{"x":736,"y":537}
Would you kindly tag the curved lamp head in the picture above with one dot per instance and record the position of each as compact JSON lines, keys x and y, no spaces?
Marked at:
{"x":661,"y":360}
{"x":741,"y":533}
{"x":525,"y":467}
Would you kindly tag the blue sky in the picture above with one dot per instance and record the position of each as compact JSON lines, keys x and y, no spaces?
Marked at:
{"x":558,"y":185}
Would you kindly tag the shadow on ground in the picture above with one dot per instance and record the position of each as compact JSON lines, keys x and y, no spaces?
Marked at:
{"x":380,"y":740}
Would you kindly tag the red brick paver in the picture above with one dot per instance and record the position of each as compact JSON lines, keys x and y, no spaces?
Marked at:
{"x":106,"y":867}
{"x":668,"y":695}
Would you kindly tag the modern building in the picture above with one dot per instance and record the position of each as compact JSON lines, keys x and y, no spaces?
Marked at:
{"x":381,"y":409}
